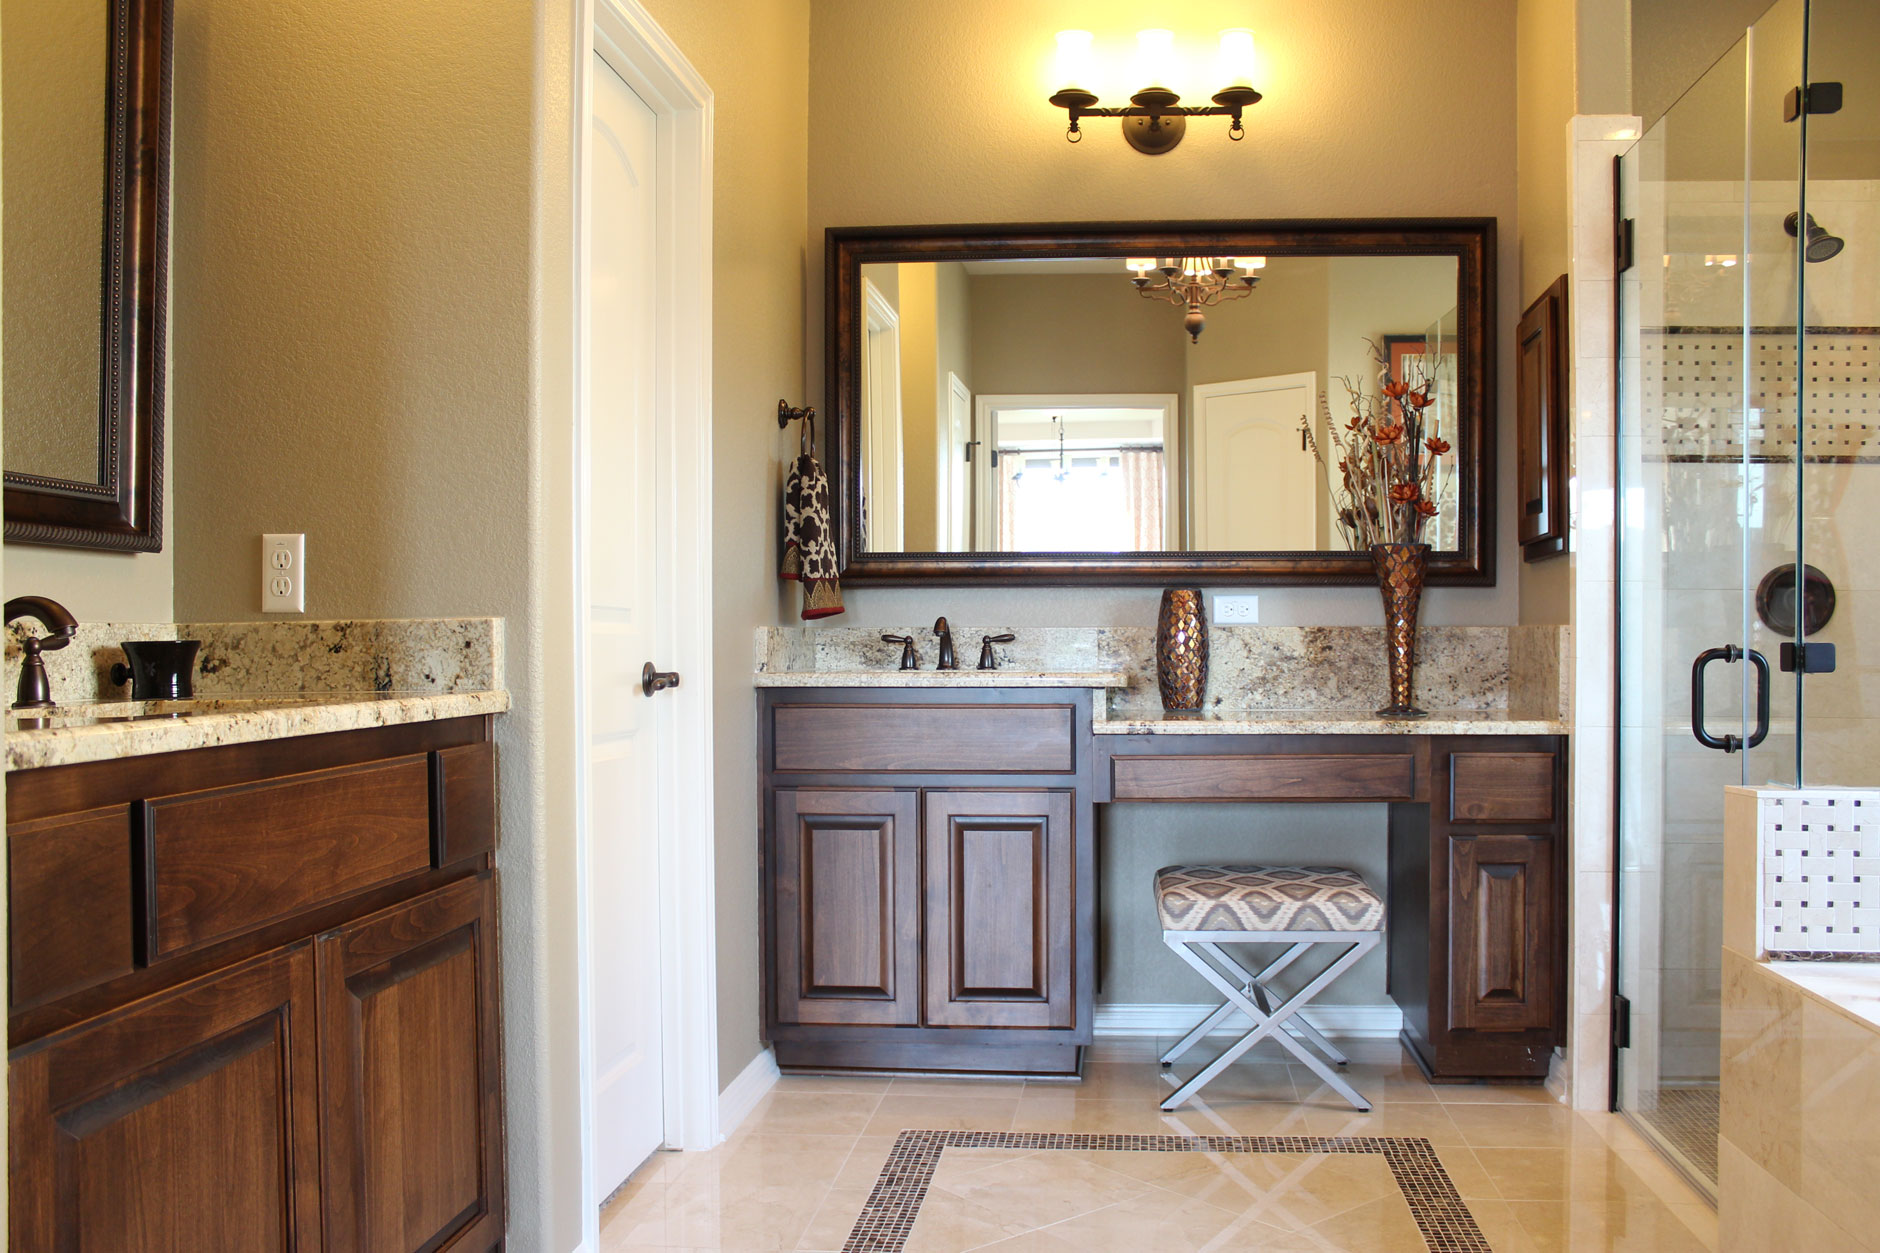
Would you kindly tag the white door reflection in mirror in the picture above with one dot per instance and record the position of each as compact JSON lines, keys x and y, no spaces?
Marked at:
{"x":1256,"y":486}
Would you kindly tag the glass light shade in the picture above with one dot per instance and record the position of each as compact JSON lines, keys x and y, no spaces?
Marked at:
{"x":1141,"y":265}
{"x":1074,"y":68}
{"x":1236,"y":65}
{"x":1155,"y":58}
{"x":1250,"y":264}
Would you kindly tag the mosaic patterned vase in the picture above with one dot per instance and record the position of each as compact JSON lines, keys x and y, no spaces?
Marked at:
{"x":1400,"y":569}
{"x":1181,"y":650}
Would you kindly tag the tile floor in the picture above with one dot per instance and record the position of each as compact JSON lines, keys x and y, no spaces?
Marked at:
{"x":1536,"y":1176}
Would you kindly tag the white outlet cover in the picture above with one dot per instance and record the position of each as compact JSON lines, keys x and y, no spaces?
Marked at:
{"x":1236,"y":609}
{"x":284,"y":574}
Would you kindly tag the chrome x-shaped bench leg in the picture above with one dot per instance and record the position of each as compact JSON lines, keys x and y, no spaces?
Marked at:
{"x":1249,"y":997}
{"x":1256,"y":987}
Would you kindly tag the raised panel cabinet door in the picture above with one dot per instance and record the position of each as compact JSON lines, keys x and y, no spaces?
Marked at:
{"x":999,"y":935}
{"x":845,"y":905}
{"x":189,"y":1120}
{"x":1501,"y":932}
{"x":411,"y":1068}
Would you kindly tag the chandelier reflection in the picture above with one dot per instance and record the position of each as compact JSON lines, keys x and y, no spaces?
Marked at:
{"x":1196,"y":283}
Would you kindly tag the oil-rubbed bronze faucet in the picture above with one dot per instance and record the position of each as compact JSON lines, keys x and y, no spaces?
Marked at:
{"x":35,"y":689}
{"x":910,"y":660}
{"x":988,"y":660}
{"x":947,"y":660}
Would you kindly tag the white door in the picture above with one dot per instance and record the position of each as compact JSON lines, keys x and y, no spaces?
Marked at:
{"x":620,"y":584}
{"x":956,"y":430}
{"x":1256,"y":486}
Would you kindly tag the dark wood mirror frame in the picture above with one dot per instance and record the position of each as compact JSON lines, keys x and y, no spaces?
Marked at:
{"x":123,"y":510}
{"x":1470,"y":240}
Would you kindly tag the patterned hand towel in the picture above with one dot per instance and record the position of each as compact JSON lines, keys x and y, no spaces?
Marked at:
{"x":809,"y":549}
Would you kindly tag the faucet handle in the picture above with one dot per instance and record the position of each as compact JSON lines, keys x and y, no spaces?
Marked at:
{"x":910,"y":660}
{"x":987,"y":661}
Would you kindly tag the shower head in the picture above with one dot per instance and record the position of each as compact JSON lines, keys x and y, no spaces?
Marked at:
{"x":1821,"y":246}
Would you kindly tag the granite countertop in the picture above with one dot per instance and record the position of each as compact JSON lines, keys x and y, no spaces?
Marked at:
{"x":1097,"y":679}
{"x":68,"y":734}
{"x":1222,"y":721}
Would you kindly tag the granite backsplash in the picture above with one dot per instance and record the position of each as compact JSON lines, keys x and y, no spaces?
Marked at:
{"x":1520,"y":670}
{"x":419,"y":655}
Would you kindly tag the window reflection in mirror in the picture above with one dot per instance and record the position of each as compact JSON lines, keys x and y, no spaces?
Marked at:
{"x":1035,"y":406}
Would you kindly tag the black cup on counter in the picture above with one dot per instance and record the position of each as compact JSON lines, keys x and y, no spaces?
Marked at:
{"x":159,"y":669}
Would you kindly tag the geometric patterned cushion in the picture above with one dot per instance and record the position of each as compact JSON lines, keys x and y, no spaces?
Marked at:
{"x":1265,"y":898}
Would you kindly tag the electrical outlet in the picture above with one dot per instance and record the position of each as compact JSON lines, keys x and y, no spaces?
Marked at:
{"x":1236,"y":609}
{"x":283,"y":574}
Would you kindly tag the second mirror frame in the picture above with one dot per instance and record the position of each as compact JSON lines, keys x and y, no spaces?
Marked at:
{"x":1471,"y":241}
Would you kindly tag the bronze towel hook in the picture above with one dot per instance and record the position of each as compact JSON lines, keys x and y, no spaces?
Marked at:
{"x":788,"y":413}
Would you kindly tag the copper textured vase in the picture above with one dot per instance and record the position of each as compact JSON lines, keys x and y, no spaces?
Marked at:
{"x":1181,"y":650}
{"x":1400,"y":569}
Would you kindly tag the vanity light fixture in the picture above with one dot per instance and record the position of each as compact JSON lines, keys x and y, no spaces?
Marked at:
{"x":1155,"y":119}
{"x":1195,"y":283}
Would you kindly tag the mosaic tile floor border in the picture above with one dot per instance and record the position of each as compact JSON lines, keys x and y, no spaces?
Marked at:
{"x":888,"y":1217}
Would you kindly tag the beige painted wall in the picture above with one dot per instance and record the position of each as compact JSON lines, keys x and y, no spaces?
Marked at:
{"x":352,"y":357}
{"x":1544,"y":103}
{"x":920,"y":389}
{"x":953,"y":311}
{"x":100,"y":586}
{"x":755,"y":54}
{"x":1338,"y":135}
{"x":370,"y":326}
{"x":1547,"y":57}
{"x":1675,"y":41}
{"x":1280,"y":329}
{"x":1032,"y":334}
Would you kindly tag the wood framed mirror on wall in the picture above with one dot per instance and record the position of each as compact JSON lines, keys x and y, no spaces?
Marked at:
{"x":85,"y":239}
{"x":1111,"y":403}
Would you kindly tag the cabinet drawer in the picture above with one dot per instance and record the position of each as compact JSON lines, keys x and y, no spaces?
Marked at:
{"x":223,"y":861}
{"x":69,"y":893}
{"x":1282,"y":776}
{"x":1501,"y":787}
{"x":924,"y":739}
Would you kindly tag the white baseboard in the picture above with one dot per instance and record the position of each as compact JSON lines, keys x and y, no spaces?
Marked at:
{"x":742,"y":1094}
{"x":1350,"y":1022}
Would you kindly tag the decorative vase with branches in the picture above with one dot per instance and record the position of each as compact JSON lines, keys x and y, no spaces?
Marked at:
{"x":1388,"y":454}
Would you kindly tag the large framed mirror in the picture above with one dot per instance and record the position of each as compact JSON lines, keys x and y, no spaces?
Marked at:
{"x":84,"y":155}
{"x":1139,"y":403}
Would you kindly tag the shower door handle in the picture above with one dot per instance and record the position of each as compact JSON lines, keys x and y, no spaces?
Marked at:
{"x":1729,"y":654}
{"x":1761,"y":732}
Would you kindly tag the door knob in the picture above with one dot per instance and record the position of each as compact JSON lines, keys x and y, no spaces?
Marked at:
{"x":652,"y":680}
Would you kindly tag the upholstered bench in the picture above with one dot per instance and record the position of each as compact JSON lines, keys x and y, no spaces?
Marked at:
{"x":1204,"y":907}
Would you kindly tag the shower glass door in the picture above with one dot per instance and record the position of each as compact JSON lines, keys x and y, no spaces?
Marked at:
{"x":1709,"y":481}
{"x":1838,"y":370}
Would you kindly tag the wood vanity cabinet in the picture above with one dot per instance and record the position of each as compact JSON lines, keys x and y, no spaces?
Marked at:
{"x":930,"y":885}
{"x":253,"y":1001}
{"x":1479,"y":876}
{"x":929,"y":879}
{"x":1475,"y":923}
